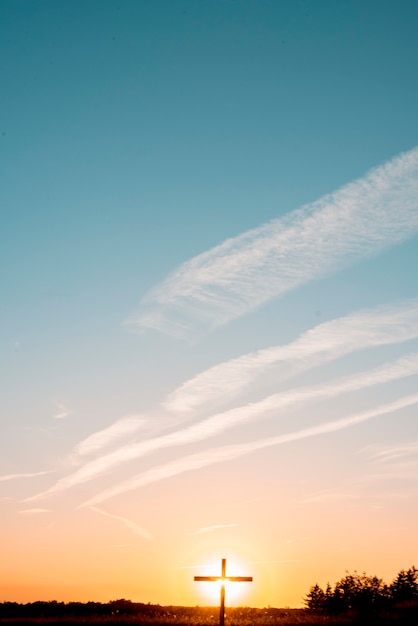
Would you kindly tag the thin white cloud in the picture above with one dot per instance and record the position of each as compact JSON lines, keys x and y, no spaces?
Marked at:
{"x":271,"y":562}
{"x":405,"y":473}
{"x":395,"y":452}
{"x":359,"y":220}
{"x":136,"y":528}
{"x":216,"y":424}
{"x":209,"y":529}
{"x":232,"y":452}
{"x":62,"y":412}
{"x":325,"y":342}
{"x":7,"y":477}
{"x":190,"y":566}
{"x":107,"y":436}
{"x":326,"y":495}
{"x":34,"y":511}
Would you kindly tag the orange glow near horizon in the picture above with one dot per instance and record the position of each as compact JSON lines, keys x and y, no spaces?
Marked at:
{"x":86,"y":557}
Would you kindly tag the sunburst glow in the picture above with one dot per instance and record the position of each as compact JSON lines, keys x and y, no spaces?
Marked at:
{"x":234,"y":590}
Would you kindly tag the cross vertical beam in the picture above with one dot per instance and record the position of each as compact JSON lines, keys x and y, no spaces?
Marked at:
{"x":223,"y":577}
{"x":222,"y":602}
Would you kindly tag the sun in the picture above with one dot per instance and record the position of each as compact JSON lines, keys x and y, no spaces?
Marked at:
{"x":227,"y":574}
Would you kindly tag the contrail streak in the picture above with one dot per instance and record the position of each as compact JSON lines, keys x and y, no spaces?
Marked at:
{"x":216,"y":424}
{"x":136,"y":528}
{"x":229,"y":453}
{"x":6,"y":477}
{"x":321,"y":344}
{"x":107,"y":436}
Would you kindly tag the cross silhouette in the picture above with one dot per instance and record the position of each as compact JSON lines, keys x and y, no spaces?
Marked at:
{"x":223,"y":577}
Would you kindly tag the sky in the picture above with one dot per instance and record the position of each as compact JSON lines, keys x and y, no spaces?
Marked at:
{"x":209,"y":297}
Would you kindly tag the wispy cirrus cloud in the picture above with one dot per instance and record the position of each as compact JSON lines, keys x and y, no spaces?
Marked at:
{"x":395,"y":453}
{"x":7,"y":477}
{"x":325,"y":495}
{"x":216,"y":424}
{"x":136,"y":528}
{"x":232,"y":452}
{"x":327,"y":341}
{"x":34,"y":511}
{"x":106,"y":437}
{"x":62,"y":411}
{"x":357,"y":221}
{"x":275,"y":561}
{"x":209,"y":529}
{"x":189,"y":566}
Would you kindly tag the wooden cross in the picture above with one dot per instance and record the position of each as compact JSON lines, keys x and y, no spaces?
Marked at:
{"x":223,"y":577}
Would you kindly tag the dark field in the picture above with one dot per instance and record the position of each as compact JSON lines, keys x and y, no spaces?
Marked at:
{"x":122,"y":612}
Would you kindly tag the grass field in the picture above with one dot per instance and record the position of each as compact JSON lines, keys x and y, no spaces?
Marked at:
{"x":155,"y":615}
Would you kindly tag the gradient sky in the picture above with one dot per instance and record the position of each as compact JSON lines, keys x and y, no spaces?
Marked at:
{"x":209,"y":302}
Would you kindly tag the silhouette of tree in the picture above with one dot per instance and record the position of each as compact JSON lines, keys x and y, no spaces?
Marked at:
{"x":315,"y":599}
{"x":361,"y":592}
{"x":404,"y":588}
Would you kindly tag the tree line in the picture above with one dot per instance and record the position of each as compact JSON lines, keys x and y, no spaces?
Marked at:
{"x":363,"y":593}
{"x":77,"y":610}
{"x":125,"y":611}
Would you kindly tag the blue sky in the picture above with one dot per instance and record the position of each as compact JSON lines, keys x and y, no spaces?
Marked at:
{"x":208,"y":209}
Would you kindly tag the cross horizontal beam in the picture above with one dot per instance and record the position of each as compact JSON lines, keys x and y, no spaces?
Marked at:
{"x":234,"y":579}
